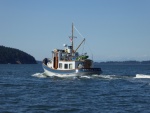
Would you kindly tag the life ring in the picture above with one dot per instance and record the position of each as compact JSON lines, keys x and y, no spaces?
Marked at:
{"x":80,"y":65}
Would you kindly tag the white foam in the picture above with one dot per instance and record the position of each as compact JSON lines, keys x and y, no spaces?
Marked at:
{"x":44,"y":75}
{"x":105,"y":76}
{"x":142,"y":76}
{"x":39,"y":75}
{"x":85,"y":77}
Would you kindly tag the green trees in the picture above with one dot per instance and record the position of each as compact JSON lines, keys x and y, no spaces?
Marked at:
{"x":15,"y":56}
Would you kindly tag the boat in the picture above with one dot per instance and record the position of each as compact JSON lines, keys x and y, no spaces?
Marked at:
{"x":68,"y":62}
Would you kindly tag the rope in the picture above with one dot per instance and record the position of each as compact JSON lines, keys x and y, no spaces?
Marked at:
{"x":84,"y":42}
{"x":78,"y":32}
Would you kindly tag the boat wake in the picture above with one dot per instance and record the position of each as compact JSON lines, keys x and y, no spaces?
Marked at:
{"x":142,"y":76}
{"x":98,"y":76}
{"x":106,"y":77}
{"x":39,"y":75}
{"x":43,"y":75}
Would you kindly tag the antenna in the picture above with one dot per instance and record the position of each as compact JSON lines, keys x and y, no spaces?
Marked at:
{"x":72,"y":36}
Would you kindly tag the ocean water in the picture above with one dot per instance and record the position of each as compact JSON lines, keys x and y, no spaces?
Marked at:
{"x":120,"y":89}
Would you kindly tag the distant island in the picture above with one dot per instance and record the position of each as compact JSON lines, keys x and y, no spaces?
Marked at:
{"x":15,"y":56}
{"x":132,"y":62}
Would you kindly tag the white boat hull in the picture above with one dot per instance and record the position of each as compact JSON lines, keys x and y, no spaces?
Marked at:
{"x":70,"y":73}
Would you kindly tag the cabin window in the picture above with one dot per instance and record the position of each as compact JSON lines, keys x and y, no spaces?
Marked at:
{"x":60,"y":65}
{"x":66,"y":66}
{"x":70,"y":66}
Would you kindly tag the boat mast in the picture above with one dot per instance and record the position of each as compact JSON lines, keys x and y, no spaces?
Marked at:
{"x":72,"y":38}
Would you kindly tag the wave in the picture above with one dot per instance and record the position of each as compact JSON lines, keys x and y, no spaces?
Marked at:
{"x":107,"y":77}
{"x":39,"y":75}
{"x":142,"y":76}
{"x":104,"y":76}
{"x":43,"y":75}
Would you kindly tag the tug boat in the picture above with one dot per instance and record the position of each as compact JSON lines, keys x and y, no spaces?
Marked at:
{"x":68,"y":62}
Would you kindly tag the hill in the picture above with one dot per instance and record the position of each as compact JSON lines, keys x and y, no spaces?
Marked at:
{"x":15,"y":56}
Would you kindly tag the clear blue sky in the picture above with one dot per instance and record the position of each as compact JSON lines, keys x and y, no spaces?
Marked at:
{"x":114,"y":29}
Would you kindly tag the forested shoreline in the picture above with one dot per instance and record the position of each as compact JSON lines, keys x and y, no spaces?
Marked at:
{"x":15,"y":56}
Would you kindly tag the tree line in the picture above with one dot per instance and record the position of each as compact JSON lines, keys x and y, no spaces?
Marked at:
{"x":15,"y":56}
{"x":125,"y":62}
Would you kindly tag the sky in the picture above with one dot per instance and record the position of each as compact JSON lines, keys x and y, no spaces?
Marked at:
{"x":115,"y":30}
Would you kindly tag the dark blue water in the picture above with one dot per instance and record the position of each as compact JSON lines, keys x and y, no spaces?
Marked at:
{"x":24,"y":89}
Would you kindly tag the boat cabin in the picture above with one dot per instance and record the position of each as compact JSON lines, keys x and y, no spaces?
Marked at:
{"x":68,"y":60}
